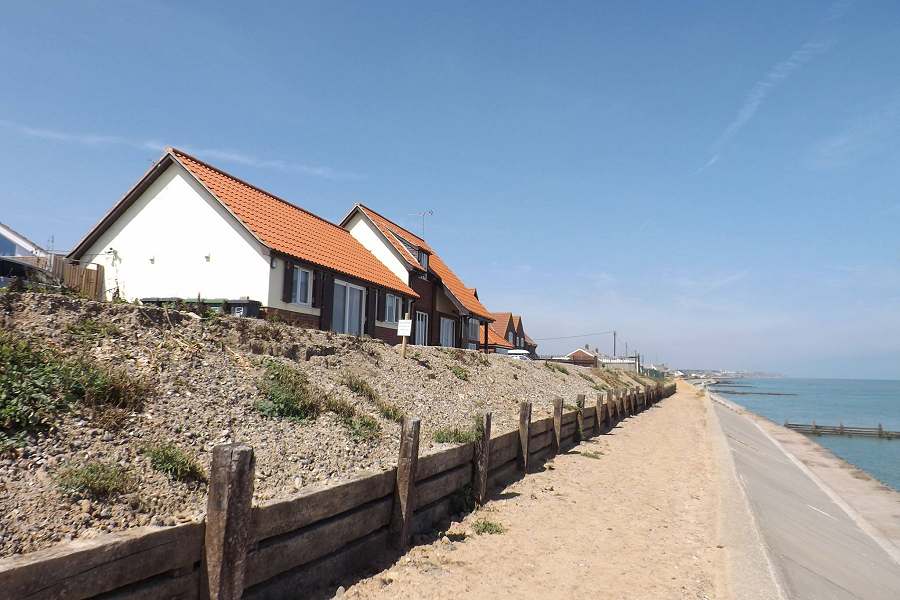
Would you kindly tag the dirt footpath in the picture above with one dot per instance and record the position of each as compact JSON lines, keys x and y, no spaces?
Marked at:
{"x":630,"y":514}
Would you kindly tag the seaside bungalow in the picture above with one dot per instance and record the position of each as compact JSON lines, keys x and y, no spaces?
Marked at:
{"x":509,"y":327}
{"x":446,"y":312}
{"x":189,"y":230}
{"x":13,"y":243}
{"x":582,"y":357}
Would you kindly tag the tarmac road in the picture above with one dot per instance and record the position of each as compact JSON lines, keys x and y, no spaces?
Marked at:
{"x":817,"y":550}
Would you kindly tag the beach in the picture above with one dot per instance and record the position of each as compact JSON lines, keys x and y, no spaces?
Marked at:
{"x":668,"y":510}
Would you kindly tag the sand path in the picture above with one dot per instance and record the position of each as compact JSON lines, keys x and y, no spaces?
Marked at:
{"x":639,"y":521}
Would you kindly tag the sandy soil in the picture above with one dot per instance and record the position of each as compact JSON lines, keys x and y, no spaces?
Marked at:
{"x":638,"y":521}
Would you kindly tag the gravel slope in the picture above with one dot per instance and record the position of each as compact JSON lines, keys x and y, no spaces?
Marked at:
{"x":203,"y":376}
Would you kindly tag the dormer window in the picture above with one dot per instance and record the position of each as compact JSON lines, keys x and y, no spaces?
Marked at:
{"x":423,"y":260}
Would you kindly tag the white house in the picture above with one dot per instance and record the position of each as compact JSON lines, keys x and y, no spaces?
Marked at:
{"x":188,"y":229}
{"x":13,"y":243}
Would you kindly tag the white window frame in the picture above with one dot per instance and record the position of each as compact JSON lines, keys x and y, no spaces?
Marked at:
{"x":392,"y":301}
{"x":295,"y":286}
{"x":346,"y":315}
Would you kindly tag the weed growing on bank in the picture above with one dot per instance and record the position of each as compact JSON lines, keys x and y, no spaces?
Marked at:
{"x":96,"y":479}
{"x":174,"y":462}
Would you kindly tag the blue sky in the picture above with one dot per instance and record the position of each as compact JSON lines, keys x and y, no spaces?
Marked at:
{"x":716,"y":181}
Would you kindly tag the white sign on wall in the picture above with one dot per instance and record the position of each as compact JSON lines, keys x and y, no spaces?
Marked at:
{"x":404,"y":327}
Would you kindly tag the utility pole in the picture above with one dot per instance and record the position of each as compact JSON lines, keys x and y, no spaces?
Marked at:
{"x":614,"y":343}
{"x":626,"y":349}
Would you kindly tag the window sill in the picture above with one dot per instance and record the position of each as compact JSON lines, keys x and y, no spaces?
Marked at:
{"x":299,"y":308}
{"x":386,"y":325}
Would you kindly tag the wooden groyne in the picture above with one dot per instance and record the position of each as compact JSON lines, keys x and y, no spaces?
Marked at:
{"x":813,"y":429}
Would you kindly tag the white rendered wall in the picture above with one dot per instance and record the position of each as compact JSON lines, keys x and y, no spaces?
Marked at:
{"x":360,"y":228}
{"x":162,"y":241}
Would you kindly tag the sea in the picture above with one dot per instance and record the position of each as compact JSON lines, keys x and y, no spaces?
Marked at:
{"x":856,"y":402}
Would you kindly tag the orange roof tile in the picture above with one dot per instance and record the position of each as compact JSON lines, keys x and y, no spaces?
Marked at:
{"x":289,"y":229}
{"x":465,"y":295}
{"x":495,"y":339}
{"x":501,"y":321}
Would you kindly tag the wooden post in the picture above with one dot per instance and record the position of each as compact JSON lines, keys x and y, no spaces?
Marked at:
{"x":481,"y":459}
{"x":403,"y":342}
{"x":557,"y":424}
{"x":601,"y":413}
{"x":228,"y":520}
{"x":524,"y":434}
{"x":405,"y":487}
{"x":579,"y":418}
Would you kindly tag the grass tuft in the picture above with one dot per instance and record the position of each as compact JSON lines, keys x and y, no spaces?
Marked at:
{"x":92,"y":329}
{"x":486,"y":527}
{"x":458,"y":435}
{"x":96,"y":479}
{"x":460,"y":372}
{"x":587,"y":378}
{"x":361,"y":387}
{"x":287,"y":394}
{"x":556,"y":367}
{"x":174,"y":462}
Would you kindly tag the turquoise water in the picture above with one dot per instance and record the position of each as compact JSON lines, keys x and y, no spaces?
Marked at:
{"x":859,"y":402}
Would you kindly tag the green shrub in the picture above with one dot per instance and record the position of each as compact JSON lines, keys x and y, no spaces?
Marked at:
{"x":174,"y":462}
{"x":460,"y":372}
{"x":484,"y":526}
{"x":37,"y":385}
{"x":288,"y":394}
{"x":587,"y":378}
{"x":96,"y":479}
{"x":34,"y":386}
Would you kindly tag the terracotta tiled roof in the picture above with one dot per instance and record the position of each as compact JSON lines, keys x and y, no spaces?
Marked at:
{"x":465,"y":295}
{"x":291,"y":230}
{"x":496,"y":339}
{"x":501,"y":321}
{"x":458,"y":288}
{"x":517,"y":321}
{"x":394,"y":232}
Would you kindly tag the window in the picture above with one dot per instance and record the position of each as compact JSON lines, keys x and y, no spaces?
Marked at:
{"x":301,"y":288}
{"x":448,"y":332}
{"x":509,"y":337}
{"x":423,"y":259}
{"x":474,"y":327}
{"x":347,"y":308}
{"x":421,"y":328}
{"x":391,"y":308}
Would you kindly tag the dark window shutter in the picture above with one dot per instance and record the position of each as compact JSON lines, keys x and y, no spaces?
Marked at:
{"x":379,"y":309}
{"x":287,"y":289}
{"x":327,"y":301}
{"x":371,"y":297}
{"x":316,"y":288}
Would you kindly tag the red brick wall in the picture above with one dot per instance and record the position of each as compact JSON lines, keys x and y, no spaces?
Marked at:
{"x":289,"y":316}
{"x":388,"y":335}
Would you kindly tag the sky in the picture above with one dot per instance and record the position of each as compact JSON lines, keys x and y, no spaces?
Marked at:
{"x":716,"y":181}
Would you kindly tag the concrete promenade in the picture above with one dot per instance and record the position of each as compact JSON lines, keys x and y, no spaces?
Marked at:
{"x":817,"y":546}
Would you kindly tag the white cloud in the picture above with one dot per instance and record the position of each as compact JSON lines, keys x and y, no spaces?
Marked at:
{"x":211,"y":154}
{"x":863,"y":136}
{"x":779,"y":73}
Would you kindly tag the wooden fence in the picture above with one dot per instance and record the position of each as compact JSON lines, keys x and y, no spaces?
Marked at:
{"x":88,"y":282}
{"x":285,"y":548}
